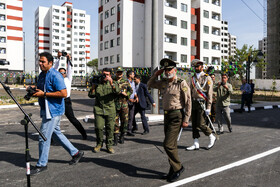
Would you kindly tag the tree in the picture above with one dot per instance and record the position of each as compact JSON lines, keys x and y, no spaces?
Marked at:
{"x":93,"y":63}
{"x":236,"y":65}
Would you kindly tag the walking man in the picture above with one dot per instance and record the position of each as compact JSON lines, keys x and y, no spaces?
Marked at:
{"x":141,"y":104}
{"x":105,"y":94}
{"x":67,"y":75}
{"x":202,"y":92}
{"x":121,"y":107}
{"x":224,"y":90}
{"x":213,"y":105}
{"x":51,"y":90}
{"x":176,"y":97}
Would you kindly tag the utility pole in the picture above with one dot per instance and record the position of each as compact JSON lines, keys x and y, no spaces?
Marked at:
{"x":154,"y":53}
{"x":23,"y":51}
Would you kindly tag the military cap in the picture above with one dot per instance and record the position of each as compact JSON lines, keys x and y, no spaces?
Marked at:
{"x":196,"y":62}
{"x":120,"y":69}
{"x":167,"y":63}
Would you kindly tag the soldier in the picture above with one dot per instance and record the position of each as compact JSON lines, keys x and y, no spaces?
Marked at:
{"x":121,"y":106}
{"x":104,"y":109}
{"x":176,"y":97}
{"x":202,"y":92}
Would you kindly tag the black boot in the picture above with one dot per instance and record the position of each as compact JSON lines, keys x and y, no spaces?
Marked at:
{"x":116,"y":135}
{"x":121,"y":140}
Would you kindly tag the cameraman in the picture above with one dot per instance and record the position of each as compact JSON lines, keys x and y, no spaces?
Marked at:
{"x":51,"y":90}
{"x":223,"y":89}
{"x":68,"y":104}
{"x":104,"y":109}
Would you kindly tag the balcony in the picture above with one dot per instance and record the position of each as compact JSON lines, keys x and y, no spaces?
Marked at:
{"x":216,"y":16}
{"x":170,"y":20}
{"x":216,"y":31}
{"x":215,"y":46}
{"x":171,"y":3}
{"x":170,"y":38}
{"x":215,"y":61}
{"x":216,"y":2}
{"x":170,"y":55}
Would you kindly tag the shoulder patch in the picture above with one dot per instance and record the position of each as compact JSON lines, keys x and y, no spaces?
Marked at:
{"x":185,"y":89}
{"x":209,"y":82}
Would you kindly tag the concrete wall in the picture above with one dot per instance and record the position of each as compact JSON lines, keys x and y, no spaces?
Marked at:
{"x":266,"y":84}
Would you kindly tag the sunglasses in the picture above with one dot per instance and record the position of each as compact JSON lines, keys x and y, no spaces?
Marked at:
{"x":63,"y":72}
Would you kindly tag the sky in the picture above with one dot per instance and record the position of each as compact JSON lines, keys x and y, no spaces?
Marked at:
{"x":243,"y":23}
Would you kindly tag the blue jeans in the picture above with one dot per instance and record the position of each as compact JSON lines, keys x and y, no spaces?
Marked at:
{"x":51,"y":128}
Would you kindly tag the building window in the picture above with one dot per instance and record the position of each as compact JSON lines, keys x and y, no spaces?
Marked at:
{"x":2,"y":17}
{"x":2,"y":28}
{"x":2,"y":40}
{"x":216,"y":2}
{"x":101,"y":16}
{"x":112,"y":43}
{"x":206,"y":1}
{"x":119,"y":7}
{"x":184,"y":24}
{"x":206,"y":14}
{"x":112,"y":59}
{"x":184,"y":58}
{"x":106,"y":14}
{"x":216,"y":16}
{"x":101,"y":46}
{"x":113,"y":11}
{"x":118,"y":58}
{"x":106,"y":45}
{"x":184,"y":41}
{"x":101,"y":61}
{"x":184,"y":7}
{"x":206,"y":60}
{"x":118,"y":24}
{"x":118,"y":41}
{"x":2,"y":50}
{"x":107,"y":29}
{"x":106,"y":60}
{"x":206,"y":29}
{"x":206,"y":45}
{"x":112,"y":27}
{"x":2,"y":6}
{"x":106,"y":1}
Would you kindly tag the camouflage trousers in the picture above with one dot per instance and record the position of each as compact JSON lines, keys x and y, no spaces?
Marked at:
{"x":121,"y":120}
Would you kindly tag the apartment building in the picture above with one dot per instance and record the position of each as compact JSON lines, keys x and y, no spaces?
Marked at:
{"x":261,"y":72}
{"x":186,"y":30}
{"x":11,"y":35}
{"x":228,"y":47}
{"x":63,"y":28}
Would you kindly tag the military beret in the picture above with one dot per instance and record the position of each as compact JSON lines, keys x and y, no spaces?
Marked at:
{"x":120,"y":69}
{"x":196,"y":62}
{"x":167,"y":63}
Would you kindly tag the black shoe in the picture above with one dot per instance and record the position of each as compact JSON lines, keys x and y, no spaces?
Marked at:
{"x":145,"y":132}
{"x":175,"y":176}
{"x":134,"y":130}
{"x":76,"y":158}
{"x":168,"y":175}
{"x":121,"y":140}
{"x":38,"y":169}
{"x":130,"y":134}
{"x":230,"y":129}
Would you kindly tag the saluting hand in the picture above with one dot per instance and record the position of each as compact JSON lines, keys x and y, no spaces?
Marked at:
{"x":159,"y":72}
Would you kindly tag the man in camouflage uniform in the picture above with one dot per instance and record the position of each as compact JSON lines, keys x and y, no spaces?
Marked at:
{"x":105,"y":94}
{"x":176,"y":104}
{"x":121,"y":106}
{"x":202,"y":92}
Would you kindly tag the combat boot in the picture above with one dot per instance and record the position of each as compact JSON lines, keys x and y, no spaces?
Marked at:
{"x":212,"y":141}
{"x":110,"y":150}
{"x":116,"y":135}
{"x":97,"y":148}
{"x":195,"y":145}
{"x":121,"y":140}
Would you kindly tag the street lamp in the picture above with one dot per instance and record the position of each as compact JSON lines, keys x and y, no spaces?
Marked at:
{"x":250,"y":60}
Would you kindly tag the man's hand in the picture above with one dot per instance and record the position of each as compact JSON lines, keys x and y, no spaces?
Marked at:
{"x":159,"y":72}
{"x":39,"y":93}
{"x":131,"y":100}
{"x":109,"y":79}
{"x":225,"y":86}
{"x":136,"y":100}
{"x":185,"y":124}
{"x":154,"y":105}
{"x":123,"y":93}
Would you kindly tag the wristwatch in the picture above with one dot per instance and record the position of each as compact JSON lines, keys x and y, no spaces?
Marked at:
{"x":45,"y":94}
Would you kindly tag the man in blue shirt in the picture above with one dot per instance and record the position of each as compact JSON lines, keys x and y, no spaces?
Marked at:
{"x":51,"y":92}
{"x":246,"y":91}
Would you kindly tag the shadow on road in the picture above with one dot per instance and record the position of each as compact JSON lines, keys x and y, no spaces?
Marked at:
{"x":125,"y":168}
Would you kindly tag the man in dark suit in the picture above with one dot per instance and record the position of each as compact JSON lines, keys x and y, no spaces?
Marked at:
{"x":141,"y":105}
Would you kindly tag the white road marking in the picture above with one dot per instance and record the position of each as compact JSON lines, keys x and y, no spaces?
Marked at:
{"x":223,"y":168}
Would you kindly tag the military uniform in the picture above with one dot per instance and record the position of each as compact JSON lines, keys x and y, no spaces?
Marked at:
{"x":104,"y":111}
{"x":176,"y":97}
{"x":213,"y":108}
{"x":122,"y":108}
{"x":202,"y":95}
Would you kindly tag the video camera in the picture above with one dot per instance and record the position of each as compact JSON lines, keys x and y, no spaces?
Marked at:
{"x":63,"y":53}
{"x":97,"y":79}
{"x":30,"y":91}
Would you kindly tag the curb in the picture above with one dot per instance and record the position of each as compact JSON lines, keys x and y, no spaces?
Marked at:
{"x":256,"y":108}
{"x":14,"y":105}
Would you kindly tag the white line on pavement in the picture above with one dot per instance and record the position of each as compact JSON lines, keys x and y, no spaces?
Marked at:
{"x":223,"y":168}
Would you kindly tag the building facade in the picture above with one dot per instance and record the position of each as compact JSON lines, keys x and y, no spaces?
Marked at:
{"x":261,"y":72}
{"x":273,"y":39}
{"x":228,"y":42}
{"x":11,"y":35}
{"x":186,"y":30}
{"x":63,"y":28}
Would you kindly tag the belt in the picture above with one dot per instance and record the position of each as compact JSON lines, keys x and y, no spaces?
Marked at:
{"x":170,"y":111}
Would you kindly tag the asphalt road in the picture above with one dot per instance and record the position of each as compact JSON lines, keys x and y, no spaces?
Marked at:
{"x":141,"y":160}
